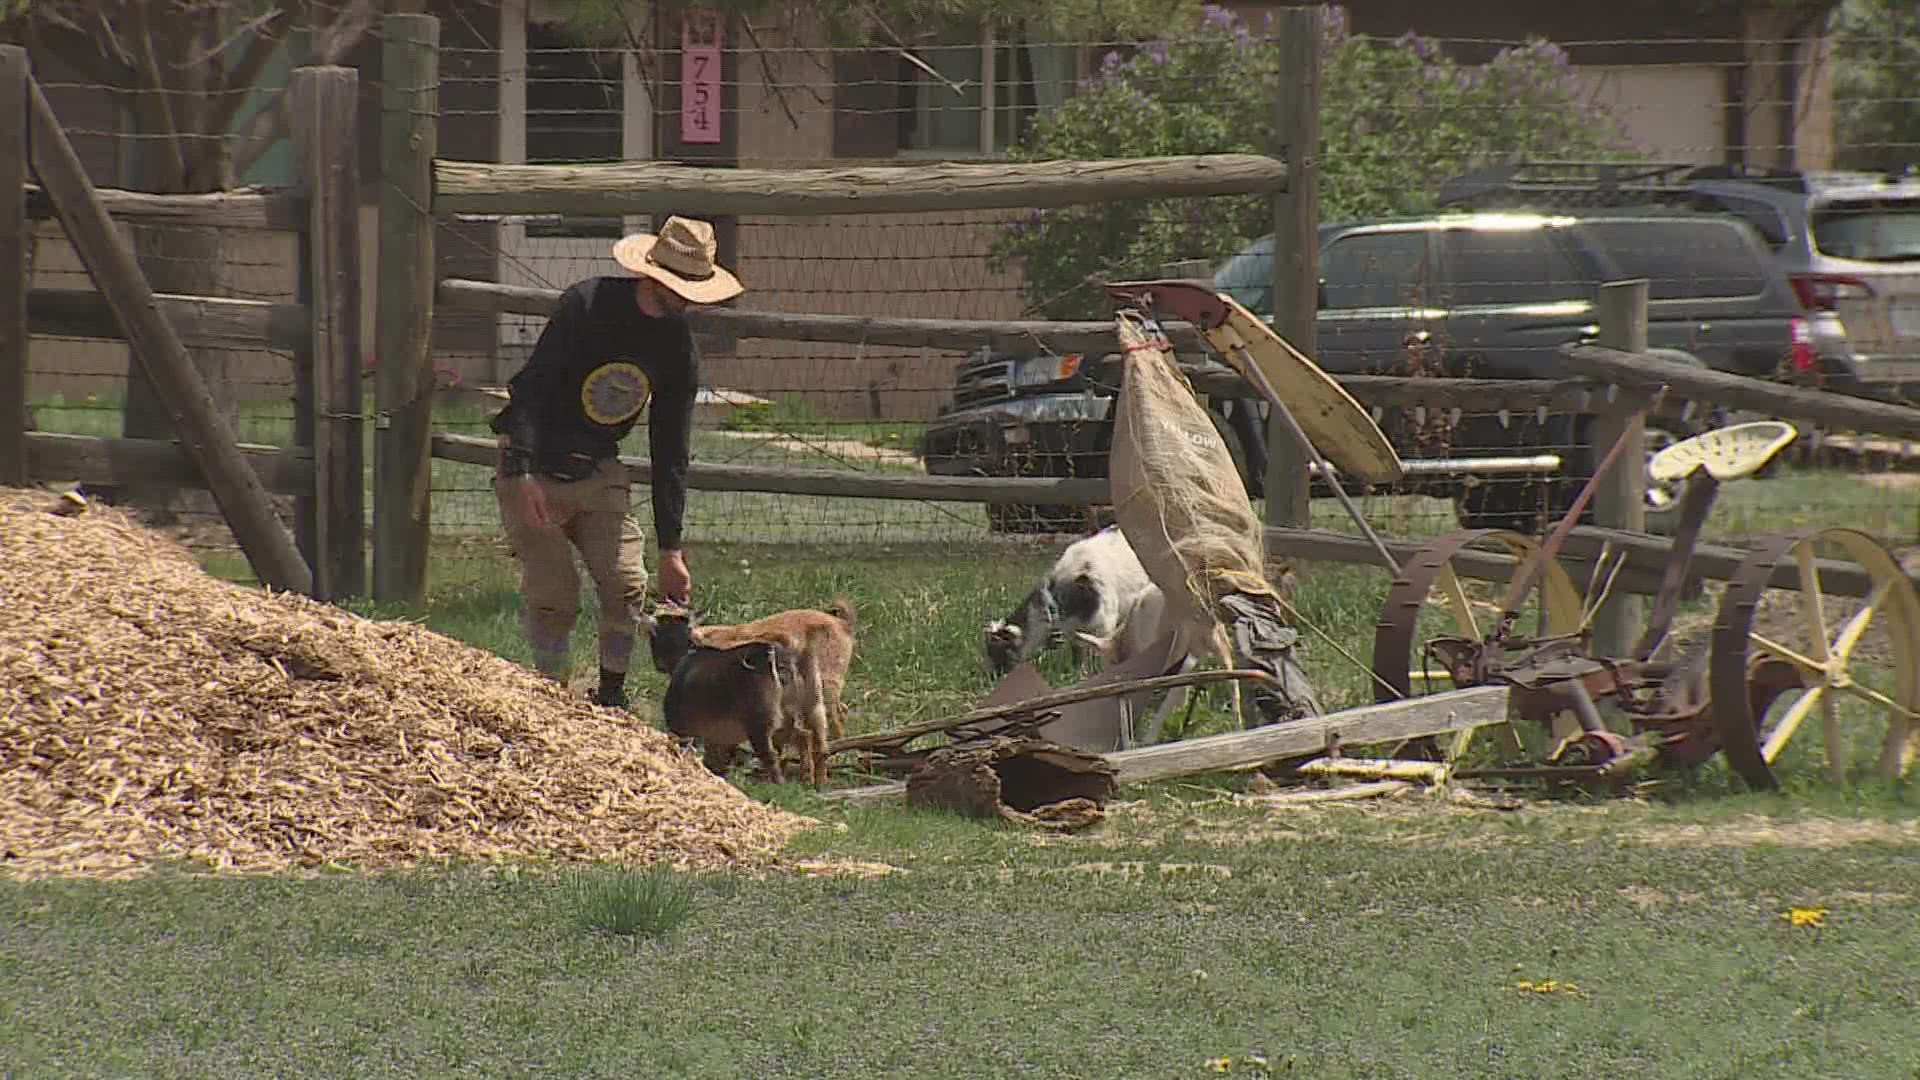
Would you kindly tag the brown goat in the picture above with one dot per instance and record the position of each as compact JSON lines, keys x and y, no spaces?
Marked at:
{"x":725,"y":697}
{"x":784,"y":673}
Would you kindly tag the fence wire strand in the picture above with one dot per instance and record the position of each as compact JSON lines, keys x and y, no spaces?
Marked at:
{"x":1465,"y":302}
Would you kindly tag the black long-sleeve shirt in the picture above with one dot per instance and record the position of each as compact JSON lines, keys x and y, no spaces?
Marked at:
{"x":599,"y":363}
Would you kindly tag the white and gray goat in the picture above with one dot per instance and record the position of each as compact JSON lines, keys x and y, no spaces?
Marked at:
{"x":1097,"y":594}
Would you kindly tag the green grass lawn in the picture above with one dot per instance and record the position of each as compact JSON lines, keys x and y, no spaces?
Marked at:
{"x":1397,"y":940}
{"x":1329,"y":943}
{"x":1572,"y":937}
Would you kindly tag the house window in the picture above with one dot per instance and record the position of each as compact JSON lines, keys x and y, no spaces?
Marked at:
{"x":928,"y":98}
{"x":576,"y":97}
{"x":940,"y":111}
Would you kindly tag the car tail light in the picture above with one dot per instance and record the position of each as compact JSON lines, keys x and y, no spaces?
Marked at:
{"x":1804,"y":359}
{"x":1823,"y":292}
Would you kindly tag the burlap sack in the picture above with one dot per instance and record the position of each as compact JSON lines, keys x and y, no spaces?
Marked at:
{"x":1177,"y":495}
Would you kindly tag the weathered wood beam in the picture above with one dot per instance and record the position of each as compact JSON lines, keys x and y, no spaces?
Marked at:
{"x":843,"y":483}
{"x":201,"y":322}
{"x":1647,"y":372}
{"x":109,"y":259}
{"x":247,"y":208}
{"x":1642,"y":573}
{"x":322,"y":107}
{"x":957,"y":334}
{"x":16,"y":272}
{"x":403,"y":316}
{"x":1368,"y":725}
{"x":1096,"y":338}
{"x":122,"y":462}
{"x":651,"y":187}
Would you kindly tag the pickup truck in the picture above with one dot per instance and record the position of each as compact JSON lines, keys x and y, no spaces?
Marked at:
{"x":1460,"y":294}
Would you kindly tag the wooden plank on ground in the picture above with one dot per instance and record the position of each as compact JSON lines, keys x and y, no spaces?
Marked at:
{"x":1435,"y":714}
{"x":109,"y":259}
{"x":1394,"y":721}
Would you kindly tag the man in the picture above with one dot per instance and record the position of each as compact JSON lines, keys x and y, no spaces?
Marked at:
{"x":614,"y":348}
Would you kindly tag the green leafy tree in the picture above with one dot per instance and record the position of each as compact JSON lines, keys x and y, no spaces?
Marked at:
{"x":1397,"y":118}
{"x":1876,"y":83}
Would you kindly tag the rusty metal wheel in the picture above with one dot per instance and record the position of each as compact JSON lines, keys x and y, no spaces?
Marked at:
{"x":1430,"y":578}
{"x":1755,"y":667}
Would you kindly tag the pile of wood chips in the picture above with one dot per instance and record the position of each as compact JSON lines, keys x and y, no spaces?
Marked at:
{"x":151,"y":712}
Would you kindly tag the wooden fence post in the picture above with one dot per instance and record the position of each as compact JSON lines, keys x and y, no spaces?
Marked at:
{"x":323,"y":110}
{"x":403,"y":334}
{"x":16,"y":233}
{"x":1620,"y":500}
{"x":1296,"y":247}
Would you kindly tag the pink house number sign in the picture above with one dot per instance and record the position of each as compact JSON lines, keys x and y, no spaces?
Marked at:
{"x":700,"y":77}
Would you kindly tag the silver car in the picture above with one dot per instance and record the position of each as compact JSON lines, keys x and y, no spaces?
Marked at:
{"x":1850,"y":243}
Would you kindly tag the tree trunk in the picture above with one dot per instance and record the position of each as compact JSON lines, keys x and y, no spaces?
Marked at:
{"x":168,"y":157}
{"x":1027,"y":780}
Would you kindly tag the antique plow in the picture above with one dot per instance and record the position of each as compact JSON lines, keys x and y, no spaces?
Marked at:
{"x":1681,"y":710}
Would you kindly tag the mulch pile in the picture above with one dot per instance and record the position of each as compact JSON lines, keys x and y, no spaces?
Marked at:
{"x":151,"y":712}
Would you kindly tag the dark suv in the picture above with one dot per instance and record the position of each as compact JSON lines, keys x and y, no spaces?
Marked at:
{"x":1491,"y":295}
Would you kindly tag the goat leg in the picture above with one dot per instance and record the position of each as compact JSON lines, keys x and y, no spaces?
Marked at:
{"x":763,"y":746}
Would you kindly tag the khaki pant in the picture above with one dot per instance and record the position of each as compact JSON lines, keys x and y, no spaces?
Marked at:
{"x":589,"y":516}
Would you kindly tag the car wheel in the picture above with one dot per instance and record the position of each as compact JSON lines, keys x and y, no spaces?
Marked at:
{"x":1248,"y":429}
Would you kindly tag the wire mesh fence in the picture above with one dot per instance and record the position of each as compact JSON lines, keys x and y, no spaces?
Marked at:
{"x":1761,"y":258}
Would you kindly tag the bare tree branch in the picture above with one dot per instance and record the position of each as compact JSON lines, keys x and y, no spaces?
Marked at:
{"x":158,"y":104}
{"x":269,"y":36}
{"x":259,"y":26}
{"x":269,"y":125}
{"x":77,"y":48}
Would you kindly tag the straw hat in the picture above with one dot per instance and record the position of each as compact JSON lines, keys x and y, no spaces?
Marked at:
{"x":681,"y":257}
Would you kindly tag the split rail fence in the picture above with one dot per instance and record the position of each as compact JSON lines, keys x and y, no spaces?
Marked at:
{"x":1611,"y":380}
{"x":323,"y":555}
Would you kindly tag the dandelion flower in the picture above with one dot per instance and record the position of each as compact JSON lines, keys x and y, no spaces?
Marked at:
{"x":1807,"y":916}
{"x":1548,"y":987}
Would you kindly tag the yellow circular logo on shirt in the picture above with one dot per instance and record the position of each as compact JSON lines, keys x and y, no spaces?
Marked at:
{"x":615,"y":393}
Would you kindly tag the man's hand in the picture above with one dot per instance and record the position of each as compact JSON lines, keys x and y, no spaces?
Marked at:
{"x":675,"y":583}
{"x":529,"y":501}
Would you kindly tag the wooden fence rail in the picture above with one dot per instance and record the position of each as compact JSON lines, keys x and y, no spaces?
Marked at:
{"x":323,"y":554}
{"x":202,"y":322}
{"x":653,"y":187}
{"x":1094,"y":338}
{"x":274,"y":209}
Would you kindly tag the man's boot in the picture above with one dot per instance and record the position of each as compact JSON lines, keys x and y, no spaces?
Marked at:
{"x":613,"y":689}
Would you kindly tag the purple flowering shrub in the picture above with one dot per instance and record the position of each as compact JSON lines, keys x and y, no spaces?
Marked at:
{"x":1398,"y":118}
